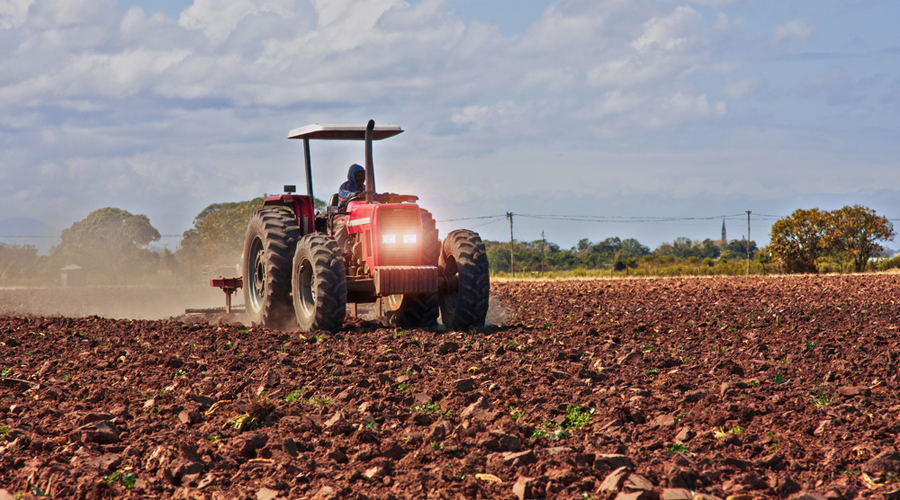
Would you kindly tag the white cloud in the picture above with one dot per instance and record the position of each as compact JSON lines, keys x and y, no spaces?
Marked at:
{"x":722,"y":21}
{"x":796,"y":29}
{"x":14,"y":12}
{"x":126,"y":73}
{"x":218,"y":19}
{"x":135,"y":22}
{"x":615,"y":103}
{"x":558,"y":29}
{"x":743,"y":88}
{"x":48,"y":14}
{"x":621,"y":113}
{"x":495,"y":116}
{"x":668,"y":33}
{"x":667,"y":46}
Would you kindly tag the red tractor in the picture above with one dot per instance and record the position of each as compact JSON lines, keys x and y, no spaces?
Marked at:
{"x":295,"y":273}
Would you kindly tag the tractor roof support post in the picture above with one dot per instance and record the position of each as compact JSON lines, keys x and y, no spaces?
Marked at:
{"x":309,"y":188}
{"x":370,"y":167}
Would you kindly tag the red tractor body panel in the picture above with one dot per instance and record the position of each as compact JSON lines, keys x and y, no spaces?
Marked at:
{"x":302,"y":208}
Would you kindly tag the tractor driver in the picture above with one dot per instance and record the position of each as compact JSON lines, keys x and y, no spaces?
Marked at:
{"x":356,"y":183}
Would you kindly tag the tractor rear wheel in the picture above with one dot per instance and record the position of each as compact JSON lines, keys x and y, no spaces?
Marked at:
{"x":464,"y":281}
{"x":416,"y":310}
{"x":319,"y":284}
{"x":268,"y":249}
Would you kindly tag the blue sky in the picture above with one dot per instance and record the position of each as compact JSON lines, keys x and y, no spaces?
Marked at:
{"x":618,"y":113}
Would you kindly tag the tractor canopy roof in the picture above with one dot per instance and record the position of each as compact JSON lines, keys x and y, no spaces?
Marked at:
{"x":343,"y":132}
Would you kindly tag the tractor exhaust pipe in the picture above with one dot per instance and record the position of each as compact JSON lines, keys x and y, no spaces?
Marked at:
{"x":370,"y":166}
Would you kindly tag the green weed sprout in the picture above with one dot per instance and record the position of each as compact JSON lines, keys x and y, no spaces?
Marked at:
{"x":538,"y":433}
{"x":431,"y":407}
{"x":295,"y":396}
{"x":127,"y":479}
{"x":822,"y":400}
{"x":559,"y":434}
{"x":577,"y":416}
{"x":676,"y":448}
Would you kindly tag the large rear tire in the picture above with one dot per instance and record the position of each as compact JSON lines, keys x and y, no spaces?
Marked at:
{"x":466,"y":283}
{"x":319,"y":284}
{"x":268,"y":250}
{"x":416,"y":310}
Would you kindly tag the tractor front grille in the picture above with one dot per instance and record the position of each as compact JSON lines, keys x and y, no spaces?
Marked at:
{"x":397,"y":223}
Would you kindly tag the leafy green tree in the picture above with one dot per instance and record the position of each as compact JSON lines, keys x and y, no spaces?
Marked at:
{"x":219,"y":230}
{"x":664,"y":250}
{"x":633,"y":248}
{"x":737,"y":249}
{"x":800,"y":239}
{"x":684,"y":248}
{"x":15,"y":258}
{"x":498,"y":256}
{"x":109,"y":241}
{"x":855,"y":231}
{"x":708,"y":248}
{"x":850,"y":232}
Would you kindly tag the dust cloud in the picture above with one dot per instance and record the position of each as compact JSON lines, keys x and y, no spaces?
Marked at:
{"x":152,"y":302}
{"x":118,"y":302}
{"x":497,"y":314}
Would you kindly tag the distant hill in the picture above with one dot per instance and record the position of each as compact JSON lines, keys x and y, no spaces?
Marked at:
{"x":28,"y":231}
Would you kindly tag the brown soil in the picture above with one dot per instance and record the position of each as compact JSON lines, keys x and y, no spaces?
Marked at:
{"x":761,"y":387}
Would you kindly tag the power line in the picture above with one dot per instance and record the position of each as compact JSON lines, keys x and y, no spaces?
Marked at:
{"x":619,"y":218}
{"x":498,"y":219}
{"x":27,"y":236}
{"x":472,"y":218}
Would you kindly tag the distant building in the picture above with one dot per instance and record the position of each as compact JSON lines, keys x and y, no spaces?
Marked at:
{"x":72,"y":275}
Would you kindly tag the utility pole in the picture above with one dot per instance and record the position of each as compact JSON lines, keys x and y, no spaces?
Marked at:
{"x":748,"y":243}
{"x":543,"y":246}
{"x":512,"y":245}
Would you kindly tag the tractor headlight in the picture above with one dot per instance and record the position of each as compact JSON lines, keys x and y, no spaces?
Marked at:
{"x":409,"y":238}
{"x":388,"y":238}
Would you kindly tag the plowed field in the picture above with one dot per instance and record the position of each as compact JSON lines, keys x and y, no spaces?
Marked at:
{"x":769,"y":387}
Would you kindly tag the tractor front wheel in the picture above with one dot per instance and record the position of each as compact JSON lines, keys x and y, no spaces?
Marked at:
{"x":319,"y":284}
{"x":464,"y":281}
{"x":268,"y":250}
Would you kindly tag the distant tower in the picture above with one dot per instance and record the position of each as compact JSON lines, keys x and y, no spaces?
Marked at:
{"x":724,"y":236}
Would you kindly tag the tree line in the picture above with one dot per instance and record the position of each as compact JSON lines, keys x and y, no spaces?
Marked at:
{"x":113,"y":247}
{"x":610,"y":254}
